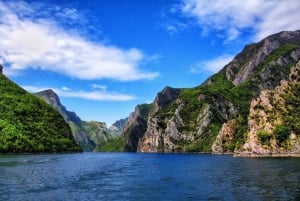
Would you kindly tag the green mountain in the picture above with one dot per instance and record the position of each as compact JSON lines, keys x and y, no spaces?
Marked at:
{"x":29,"y":125}
{"x":222,"y":114}
{"x":88,"y":135}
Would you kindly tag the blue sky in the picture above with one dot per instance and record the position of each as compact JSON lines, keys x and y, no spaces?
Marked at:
{"x":103,"y":57}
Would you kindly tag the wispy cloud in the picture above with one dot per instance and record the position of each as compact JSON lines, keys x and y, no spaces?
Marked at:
{"x":175,"y":27}
{"x":34,"y":39}
{"x":99,"y":86}
{"x":235,"y":16}
{"x":82,"y":94}
{"x":65,"y":88}
{"x":213,"y":65}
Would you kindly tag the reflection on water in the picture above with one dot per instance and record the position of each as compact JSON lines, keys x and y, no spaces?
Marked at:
{"x":99,"y":176}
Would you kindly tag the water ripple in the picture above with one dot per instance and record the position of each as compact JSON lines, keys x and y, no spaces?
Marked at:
{"x":96,"y":176}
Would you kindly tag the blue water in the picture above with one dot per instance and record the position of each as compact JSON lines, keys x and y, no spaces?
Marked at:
{"x":153,"y":177}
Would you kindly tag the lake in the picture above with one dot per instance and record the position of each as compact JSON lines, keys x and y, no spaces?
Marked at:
{"x":153,"y":177}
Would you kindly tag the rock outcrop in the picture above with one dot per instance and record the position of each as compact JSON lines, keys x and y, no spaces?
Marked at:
{"x":165,"y":97}
{"x":269,"y":129}
{"x":223,"y":142}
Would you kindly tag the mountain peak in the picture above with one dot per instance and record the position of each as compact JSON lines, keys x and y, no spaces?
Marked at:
{"x":50,"y":97}
{"x":167,"y":95}
{"x":257,"y":55}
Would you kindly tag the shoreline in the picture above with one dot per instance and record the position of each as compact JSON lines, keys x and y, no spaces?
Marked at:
{"x":268,"y":155}
{"x":239,"y":154}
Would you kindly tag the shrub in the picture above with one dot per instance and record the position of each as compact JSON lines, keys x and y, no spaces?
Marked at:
{"x":281,"y":133}
{"x":264,"y":136}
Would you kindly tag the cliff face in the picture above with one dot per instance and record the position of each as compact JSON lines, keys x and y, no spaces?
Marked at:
{"x":273,"y":121}
{"x":117,"y":127}
{"x":86,"y":134}
{"x":213,"y":117}
{"x":135,"y":127}
{"x":151,"y":140}
{"x":52,"y":99}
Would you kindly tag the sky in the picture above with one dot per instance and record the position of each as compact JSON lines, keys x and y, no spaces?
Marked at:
{"x":104,"y":57}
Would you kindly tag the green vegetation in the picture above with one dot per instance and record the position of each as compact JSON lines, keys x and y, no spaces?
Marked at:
{"x":88,"y":145}
{"x":219,"y":89}
{"x":28,"y":124}
{"x":292,"y":113}
{"x":96,"y":132}
{"x":192,"y":106}
{"x":145,"y":110}
{"x":264,"y":136}
{"x":204,"y":143}
{"x":281,"y":133}
{"x":167,"y":111}
{"x":115,"y":145}
{"x":279,"y":52}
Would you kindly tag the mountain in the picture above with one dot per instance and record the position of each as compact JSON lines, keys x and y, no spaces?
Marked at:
{"x":225,"y":113}
{"x":136,"y":126}
{"x":274,"y":120}
{"x":88,"y":135}
{"x":117,"y":127}
{"x":29,"y":125}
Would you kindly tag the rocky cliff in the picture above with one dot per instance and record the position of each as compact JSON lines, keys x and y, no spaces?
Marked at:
{"x":88,"y":135}
{"x":274,"y":120}
{"x":117,"y":127}
{"x":135,"y":127}
{"x":213,"y":117}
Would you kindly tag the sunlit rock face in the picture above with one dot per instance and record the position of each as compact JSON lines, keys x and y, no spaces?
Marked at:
{"x":271,"y":111}
{"x":226,"y":112}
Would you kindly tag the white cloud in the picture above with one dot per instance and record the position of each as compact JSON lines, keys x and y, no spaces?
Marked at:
{"x":88,"y":95}
{"x":29,"y":41}
{"x":65,"y":88}
{"x":264,"y":17}
{"x":213,"y":65}
{"x":99,"y":86}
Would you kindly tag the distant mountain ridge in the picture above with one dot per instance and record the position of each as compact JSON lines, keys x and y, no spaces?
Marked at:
{"x":89,"y":135}
{"x":216,"y":115}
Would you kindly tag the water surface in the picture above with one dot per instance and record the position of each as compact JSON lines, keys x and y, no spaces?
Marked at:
{"x":138,"y":177}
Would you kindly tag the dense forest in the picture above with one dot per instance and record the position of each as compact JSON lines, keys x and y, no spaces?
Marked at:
{"x":28,"y":124}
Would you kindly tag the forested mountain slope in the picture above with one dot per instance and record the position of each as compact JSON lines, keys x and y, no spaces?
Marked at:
{"x":28,"y":124}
